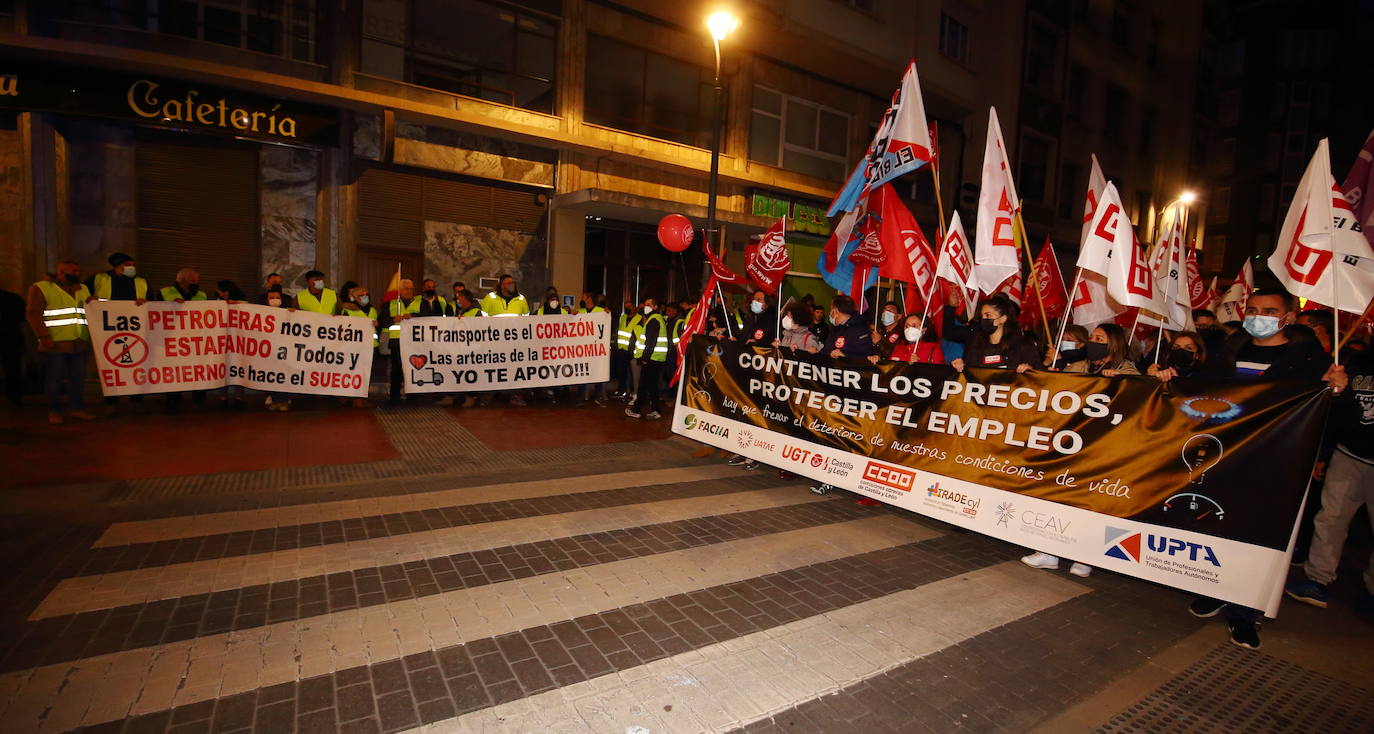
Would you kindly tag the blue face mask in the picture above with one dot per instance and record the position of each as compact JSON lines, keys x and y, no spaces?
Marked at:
{"x":1261,"y":327}
{"x":888,"y":318}
{"x":756,"y":307}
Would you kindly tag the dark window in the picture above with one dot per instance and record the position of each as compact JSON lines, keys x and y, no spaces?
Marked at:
{"x":798,"y":135}
{"x":484,"y":50}
{"x":1071,"y":191}
{"x":1042,"y":60}
{"x":1077,"y":96}
{"x":1148,"y":119}
{"x":1034,"y":168}
{"x":644,"y":92}
{"x":278,"y":27}
{"x":954,"y":39}
{"x":1114,"y":113}
{"x":1121,"y":23}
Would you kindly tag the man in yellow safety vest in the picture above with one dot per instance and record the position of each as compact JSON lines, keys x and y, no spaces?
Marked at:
{"x":406,"y":305}
{"x":56,"y":312}
{"x":186,"y":288}
{"x":316,"y":298}
{"x":652,"y":342}
{"x":622,"y":365}
{"x":505,"y":300}
{"x":121,"y":282}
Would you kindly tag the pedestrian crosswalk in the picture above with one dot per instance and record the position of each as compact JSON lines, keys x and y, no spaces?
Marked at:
{"x":696,"y":598}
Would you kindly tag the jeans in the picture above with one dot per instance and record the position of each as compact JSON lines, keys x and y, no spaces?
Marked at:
{"x":648,"y":398}
{"x":70,"y":366}
{"x":1349,"y":484}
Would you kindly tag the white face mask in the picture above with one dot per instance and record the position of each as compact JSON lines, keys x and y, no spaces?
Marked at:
{"x":756,"y":306}
{"x":647,"y":310}
{"x":274,"y":302}
{"x":130,"y":271}
{"x":363,"y":300}
{"x":889,"y":318}
{"x":912,"y":333}
{"x":317,"y":284}
{"x":788,"y":323}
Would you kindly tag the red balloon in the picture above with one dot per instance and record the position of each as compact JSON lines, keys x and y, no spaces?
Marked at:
{"x":675,"y":232}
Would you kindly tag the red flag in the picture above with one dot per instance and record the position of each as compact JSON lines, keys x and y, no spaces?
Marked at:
{"x":1197,"y":290}
{"x":867,"y":255}
{"x":718,"y":270}
{"x":1052,"y":289}
{"x":696,"y":324}
{"x":768,"y":262}
{"x":908,"y":256}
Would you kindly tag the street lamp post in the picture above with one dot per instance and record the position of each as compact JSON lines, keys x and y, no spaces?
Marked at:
{"x":721,"y":24}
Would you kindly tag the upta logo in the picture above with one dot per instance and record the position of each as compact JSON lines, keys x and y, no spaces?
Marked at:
{"x":889,"y":476}
{"x":1125,"y":545}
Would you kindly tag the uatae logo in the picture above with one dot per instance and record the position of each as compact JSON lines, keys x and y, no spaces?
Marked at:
{"x":1125,"y":545}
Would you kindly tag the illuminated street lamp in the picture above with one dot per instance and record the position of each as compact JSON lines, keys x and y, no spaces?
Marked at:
{"x":721,"y":24}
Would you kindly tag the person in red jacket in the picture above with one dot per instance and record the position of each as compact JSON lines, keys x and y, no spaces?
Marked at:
{"x":918,"y":343}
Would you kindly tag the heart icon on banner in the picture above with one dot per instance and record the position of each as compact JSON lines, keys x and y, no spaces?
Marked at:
{"x":418,"y":360}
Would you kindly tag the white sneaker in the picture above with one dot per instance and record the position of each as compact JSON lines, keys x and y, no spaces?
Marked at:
{"x":1041,"y":560}
{"x":1080,"y":569}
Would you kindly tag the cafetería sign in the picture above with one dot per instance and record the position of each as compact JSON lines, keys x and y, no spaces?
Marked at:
{"x":149,"y":100}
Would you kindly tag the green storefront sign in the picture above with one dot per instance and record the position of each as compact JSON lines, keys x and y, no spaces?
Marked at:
{"x":806,"y":216}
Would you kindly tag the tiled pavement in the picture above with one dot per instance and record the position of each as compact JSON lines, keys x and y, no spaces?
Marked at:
{"x":467,"y":585}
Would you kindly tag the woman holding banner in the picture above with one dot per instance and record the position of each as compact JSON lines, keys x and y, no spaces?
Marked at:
{"x":1107,"y":349}
{"x":994,"y":340}
{"x":917,"y":343}
{"x":796,"y":330}
{"x":1186,"y":357}
{"x":1072,"y":355}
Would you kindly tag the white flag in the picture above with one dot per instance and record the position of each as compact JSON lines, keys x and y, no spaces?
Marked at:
{"x":1095,"y":254}
{"x":1091,"y":304}
{"x":1097,"y":183}
{"x":995,"y":237}
{"x":902,"y":143}
{"x":955,"y":263}
{"x":1168,"y":262}
{"x":1129,"y":279}
{"x":1232,"y":306}
{"x":1320,"y":247}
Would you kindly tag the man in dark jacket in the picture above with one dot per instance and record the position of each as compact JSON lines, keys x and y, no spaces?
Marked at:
{"x":849,"y":335}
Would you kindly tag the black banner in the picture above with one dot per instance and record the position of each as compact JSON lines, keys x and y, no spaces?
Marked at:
{"x":1224,"y":458}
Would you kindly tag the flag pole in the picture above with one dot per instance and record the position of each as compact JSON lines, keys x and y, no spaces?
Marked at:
{"x":935,"y":176}
{"x":725,"y":310}
{"x":1068,"y":310}
{"x":1350,"y":333}
{"x":1168,"y":297}
{"x":1021,"y":227}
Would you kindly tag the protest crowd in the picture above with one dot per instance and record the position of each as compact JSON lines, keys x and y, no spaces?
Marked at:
{"x":941,"y":306}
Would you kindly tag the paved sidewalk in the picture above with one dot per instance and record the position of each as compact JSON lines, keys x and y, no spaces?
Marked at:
{"x":568,"y":569}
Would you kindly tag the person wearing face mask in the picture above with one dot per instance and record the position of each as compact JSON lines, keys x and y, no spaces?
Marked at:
{"x":651,"y":352}
{"x":121,"y":282}
{"x":316,"y":298}
{"x":1262,"y":350}
{"x":357,"y":303}
{"x":917,"y":343}
{"x":274,"y":298}
{"x":458,"y":287}
{"x":1185,"y":357}
{"x":465,"y":305}
{"x":551,"y":305}
{"x":1072,"y":355}
{"x":1213,"y":336}
{"x":186,"y":288}
{"x":506,"y":300}
{"x":431,"y":303}
{"x":406,"y":305}
{"x":994,"y":340}
{"x":888,"y":333}
{"x":227,"y":290}
{"x":760,"y":322}
{"x":796,"y":330}
{"x":849,"y":335}
{"x":56,"y":312}
{"x":1107,"y":352}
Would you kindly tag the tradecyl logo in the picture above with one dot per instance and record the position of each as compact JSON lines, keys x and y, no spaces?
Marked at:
{"x":1125,"y":545}
{"x":890,"y":476}
{"x":952,"y":501}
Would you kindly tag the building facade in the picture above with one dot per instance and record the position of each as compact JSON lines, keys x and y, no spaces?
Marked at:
{"x":463,"y":139}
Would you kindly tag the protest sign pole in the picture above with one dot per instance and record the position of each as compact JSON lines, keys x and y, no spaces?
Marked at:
{"x":1349,"y":333}
{"x":1068,"y":311}
{"x":724,"y":309}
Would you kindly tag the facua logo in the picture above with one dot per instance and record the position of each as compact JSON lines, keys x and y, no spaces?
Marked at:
{"x":890,"y":476}
{"x":1122,"y":544}
{"x":689,"y":421}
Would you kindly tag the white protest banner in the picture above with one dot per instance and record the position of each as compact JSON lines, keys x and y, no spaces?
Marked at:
{"x":202,"y":345}
{"x":474,"y":353}
{"x":300,"y":352}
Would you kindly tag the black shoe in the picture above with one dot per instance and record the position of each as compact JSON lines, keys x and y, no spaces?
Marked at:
{"x":1203,"y":607}
{"x":821,"y":488}
{"x":1245,"y":634}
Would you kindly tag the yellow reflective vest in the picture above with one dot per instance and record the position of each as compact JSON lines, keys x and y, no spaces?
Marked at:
{"x":625,"y":332}
{"x":370,"y":314}
{"x":170,"y":293}
{"x":104,"y":287}
{"x":658,"y":351}
{"x":326,"y":303}
{"x":396,"y":307}
{"x":495,"y":305}
{"x":64,"y":314}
